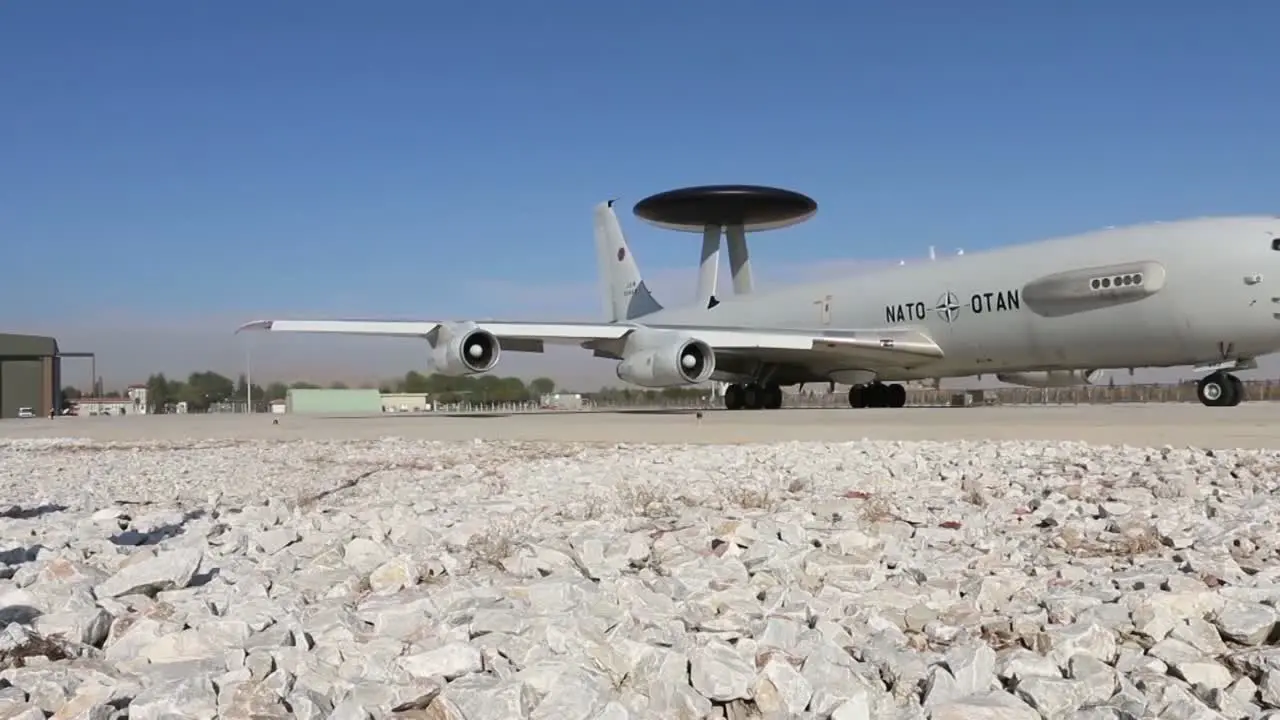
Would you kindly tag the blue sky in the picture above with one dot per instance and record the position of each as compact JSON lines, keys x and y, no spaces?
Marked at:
{"x":172,"y":168}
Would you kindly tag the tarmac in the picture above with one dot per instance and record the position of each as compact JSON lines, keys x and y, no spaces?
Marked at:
{"x":1251,"y":425}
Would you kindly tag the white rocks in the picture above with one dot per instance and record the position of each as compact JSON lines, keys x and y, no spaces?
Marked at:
{"x":447,"y":661}
{"x":720,"y":672}
{"x":142,"y":575}
{"x":1246,"y":623}
{"x":475,"y":581}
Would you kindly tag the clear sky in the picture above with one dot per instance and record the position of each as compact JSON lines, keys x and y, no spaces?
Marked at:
{"x":169,"y":170}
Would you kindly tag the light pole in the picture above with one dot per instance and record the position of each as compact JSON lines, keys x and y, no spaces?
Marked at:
{"x":248,"y":375}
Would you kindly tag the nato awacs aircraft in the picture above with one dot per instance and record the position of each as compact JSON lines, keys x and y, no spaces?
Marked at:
{"x":1201,"y":292}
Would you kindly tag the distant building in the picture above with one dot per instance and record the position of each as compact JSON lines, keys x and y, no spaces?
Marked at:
{"x":561,"y":401}
{"x":138,"y":394}
{"x":134,"y":403}
{"x":102,"y":406}
{"x":278,"y":407}
{"x":352,"y":401}
{"x":406,"y":402}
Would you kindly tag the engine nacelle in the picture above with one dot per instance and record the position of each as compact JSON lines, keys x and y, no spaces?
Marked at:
{"x":464,"y":349}
{"x":1051,"y":378}
{"x":684,"y":362}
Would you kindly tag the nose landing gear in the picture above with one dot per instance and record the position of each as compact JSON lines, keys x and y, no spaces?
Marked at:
{"x":1220,"y":389}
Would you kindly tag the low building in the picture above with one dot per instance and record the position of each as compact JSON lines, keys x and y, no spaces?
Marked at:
{"x":134,"y":403}
{"x":278,"y":407}
{"x":561,"y":401}
{"x":332,"y":401}
{"x":103,"y":406}
{"x":406,"y":402}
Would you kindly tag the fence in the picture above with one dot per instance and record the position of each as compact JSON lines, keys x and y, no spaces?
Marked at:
{"x":1256,"y":390}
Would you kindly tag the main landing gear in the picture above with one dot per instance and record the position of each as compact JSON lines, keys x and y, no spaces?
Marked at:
{"x":1220,"y":389}
{"x":878,"y":395}
{"x":752,"y":397}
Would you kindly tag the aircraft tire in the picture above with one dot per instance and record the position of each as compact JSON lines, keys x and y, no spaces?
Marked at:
{"x":1237,"y":390}
{"x":1219,"y":389}
{"x":733,"y":397}
{"x":897,"y":395}
{"x":772,"y":397}
{"x":877,"y":395}
{"x":857,"y":397}
{"x":753,"y":397}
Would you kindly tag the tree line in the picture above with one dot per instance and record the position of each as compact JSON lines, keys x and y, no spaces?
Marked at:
{"x":203,"y":390}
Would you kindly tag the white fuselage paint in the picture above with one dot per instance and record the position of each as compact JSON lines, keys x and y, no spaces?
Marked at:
{"x":1221,"y":288}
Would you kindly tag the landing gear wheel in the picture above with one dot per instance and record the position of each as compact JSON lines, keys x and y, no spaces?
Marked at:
{"x":753,"y":396}
{"x":875,"y":395}
{"x":733,"y":397}
{"x":857,"y":397}
{"x":772,"y":397}
{"x":878,"y":395}
{"x":1220,"y":389}
{"x":896,"y":395}
{"x":1237,"y":389}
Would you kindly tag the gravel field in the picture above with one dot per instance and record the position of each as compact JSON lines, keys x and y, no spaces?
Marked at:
{"x":478,"y":580}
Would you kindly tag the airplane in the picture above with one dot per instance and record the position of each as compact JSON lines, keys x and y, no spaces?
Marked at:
{"x":1045,"y":314}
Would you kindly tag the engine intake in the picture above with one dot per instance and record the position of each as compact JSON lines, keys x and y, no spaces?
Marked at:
{"x":464,"y":350}
{"x":686,"y":362}
{"x":1051,"y":378}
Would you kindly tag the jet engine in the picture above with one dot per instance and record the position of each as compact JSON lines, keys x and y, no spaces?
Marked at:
{"x":684,"y":362}
{"x":464,"y":350}
{"x":1051,"y":378}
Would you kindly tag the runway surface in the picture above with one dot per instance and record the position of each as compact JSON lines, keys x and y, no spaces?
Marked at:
{"x":1252,"y":425}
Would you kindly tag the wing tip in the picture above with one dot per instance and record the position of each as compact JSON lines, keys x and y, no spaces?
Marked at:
{"x":255,"y":325}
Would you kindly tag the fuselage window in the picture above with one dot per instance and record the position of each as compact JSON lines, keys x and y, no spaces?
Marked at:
{"x":1118,"y":281}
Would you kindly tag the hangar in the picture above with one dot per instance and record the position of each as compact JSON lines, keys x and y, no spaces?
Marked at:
{"x":31,"y":374}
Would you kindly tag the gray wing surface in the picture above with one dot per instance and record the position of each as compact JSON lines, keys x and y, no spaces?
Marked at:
{"x":877,"y":347}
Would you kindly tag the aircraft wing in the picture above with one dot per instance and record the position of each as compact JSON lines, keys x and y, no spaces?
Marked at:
{"x":902,"y":347}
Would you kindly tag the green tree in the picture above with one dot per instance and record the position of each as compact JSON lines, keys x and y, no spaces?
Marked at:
{"x":157,"y":393}
{"x":207,"y":388}
{"x":415,"y":382}
{"x":246,"y":391}
{"x":542,"y":386}
{"x":276,"y":391}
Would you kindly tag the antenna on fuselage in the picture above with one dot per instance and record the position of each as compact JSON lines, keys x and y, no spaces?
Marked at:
{"x":959,"y":251}
{"x":932,"y":255}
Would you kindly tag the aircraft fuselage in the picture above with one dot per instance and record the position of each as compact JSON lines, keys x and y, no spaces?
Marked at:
{"x":1167,"y":294}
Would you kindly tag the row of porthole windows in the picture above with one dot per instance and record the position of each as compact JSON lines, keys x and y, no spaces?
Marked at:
{"x":1106,"y":283}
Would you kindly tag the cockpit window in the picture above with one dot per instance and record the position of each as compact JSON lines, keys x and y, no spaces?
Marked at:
{"x":1275,"y":244}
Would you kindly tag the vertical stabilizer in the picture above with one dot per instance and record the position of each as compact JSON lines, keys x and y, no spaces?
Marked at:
{"x":622,"y":289}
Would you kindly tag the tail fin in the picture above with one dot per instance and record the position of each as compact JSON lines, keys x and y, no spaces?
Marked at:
{"x":623,"y":290}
